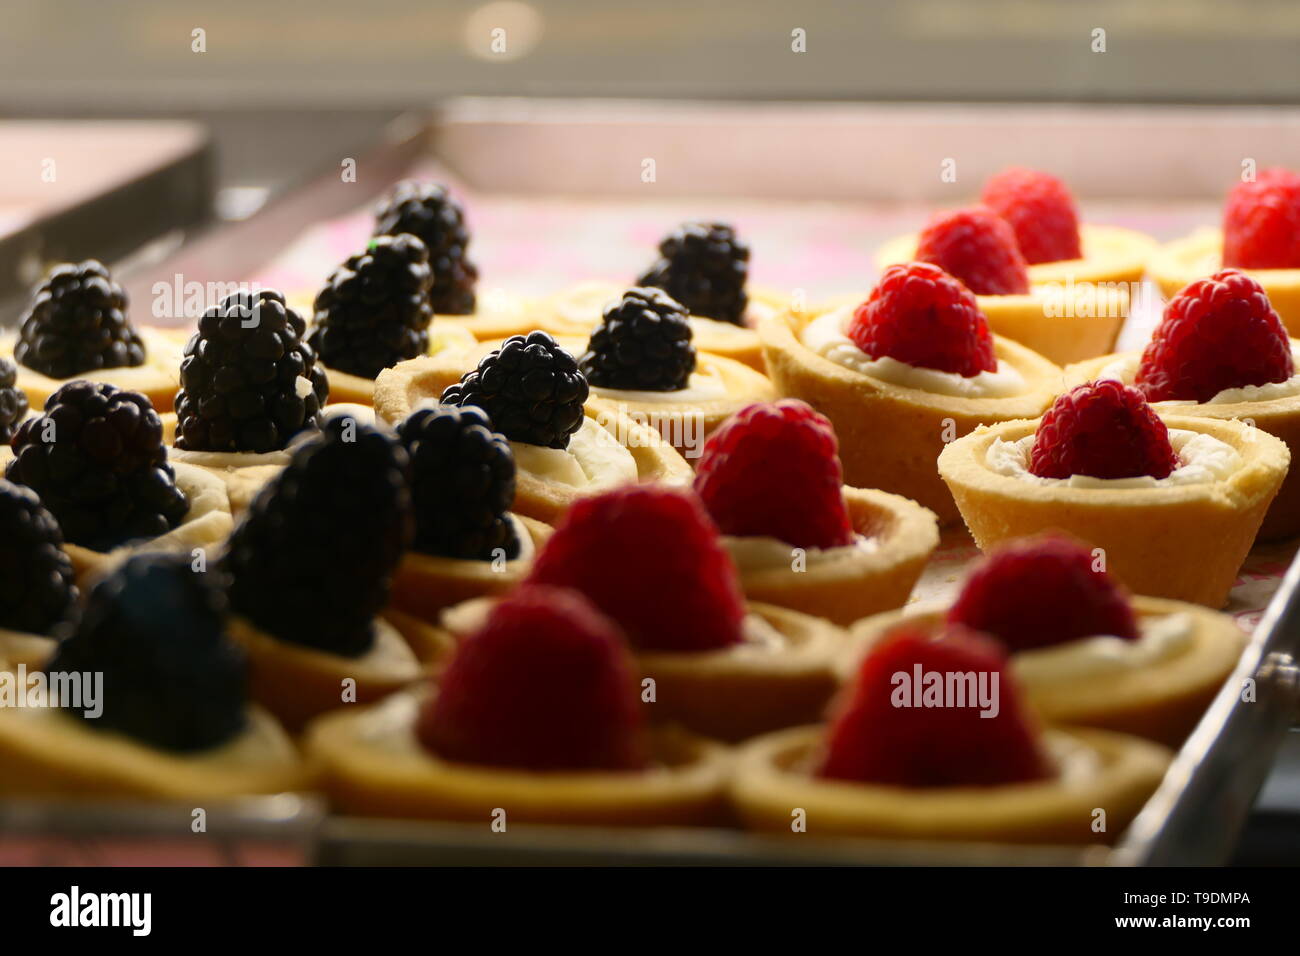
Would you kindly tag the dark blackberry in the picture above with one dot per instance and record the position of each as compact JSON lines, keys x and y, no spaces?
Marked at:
{"x":36,"y":583}
{"x":530,"y":388}
{"x":13,"y":400}
{"x":155,"y":629}
{"x":643,"y":342}
{"x":96,"y":458}
{"x":77,"y":323}
{"x":241,"y":378}
{"x":462,"y":483}
{"x":312,"y":559}
{"x":703,"y":265}
{"x":429,"y":212}
{"x":374,"y":311}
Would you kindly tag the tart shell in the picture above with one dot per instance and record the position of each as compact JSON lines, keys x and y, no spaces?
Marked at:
{"x":30,"y":650}
{"x":446,"y":336}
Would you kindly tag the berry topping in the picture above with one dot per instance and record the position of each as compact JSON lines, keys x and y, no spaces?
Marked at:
{"x":643,"y":342}
{"x":546,"y":684}
{"x":312,"y":559}
{"x":154,"y":628}
{"x":36,"y":583}
{"x":933,"y":712}
{"x":1041,"y":212}
{"x":531,"y":389}
{"x":1040,"y":591}
{"x":703,"y":265}
{"x":97,"y":460}
{"x":374,"y":310}
{"x":1102,"y":430}
{"x":920,"y":315}
{"x":1261,"y":222}
{"x":430,"y":213}
{"x":248,"y":381}
{"x":978,"y":247}
{"x":462,"y":483}
{"x":77,"y":323}
{"x":13,"y":400}
{"x":1217,"y":333}
{"x":774,"y":470}
{"x":673,"y":587}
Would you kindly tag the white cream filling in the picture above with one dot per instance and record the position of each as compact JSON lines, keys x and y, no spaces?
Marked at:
{"x":1159,"y":638}
{"x":762,"y":553}
{"x":703,"y":386}
{"x":1125,"y":368}
{"x":825,"y":336}
{"x":1202,"y":458}
{"x":594,"y":458}
{"x":231,"y":461}
{"x":1075,"y":762}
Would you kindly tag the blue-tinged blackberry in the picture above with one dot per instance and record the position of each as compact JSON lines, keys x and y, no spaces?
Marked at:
{"x":429,"y":211}
{"x":312,"y":559}
{"x":703,"y":265}
{"x":248,"y":380}
{"x":643,"y":342}
{"x":77,"y":323}
{"x":36,"y":582}
{"x":96,"y":458}
{"x":155,"y":629}
{"x":531,"y":389}
{"x":13,"y":400}
{"x":462,"y":483}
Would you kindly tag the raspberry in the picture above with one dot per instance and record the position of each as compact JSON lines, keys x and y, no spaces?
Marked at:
{"x":978,"y":247}
{"x":880,"y":733}
{"x":673,"y":587}
{"x":1040,"y":591}
{"x":546,"y":684}
{"x":1041,"y":211}
{"x":1217,"y":333}
{"x":774,"y":470}
{"x":643,"y":342}
{"x":1104,"y":430}
{"x":920,"y":315}
{"x":1261,"y":222}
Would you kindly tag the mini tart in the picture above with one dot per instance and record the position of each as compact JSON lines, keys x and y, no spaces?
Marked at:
{"x":1160,"y":700}
{"x":445,"y":335}
{"x":1178,"y":263}
{"x":853,"y":583}
{"x":1279,"y":417}
{"x":1184,"y":542}
{"x":890,"y":435}
{"x":32,"y":650}
{"x":773,"y":776}
{"x":372,"y":765}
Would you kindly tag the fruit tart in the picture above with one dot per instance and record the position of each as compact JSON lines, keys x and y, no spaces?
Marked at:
{"x":145,"y":698}
{"x":931,"y":740}
{"x":770,"y":478}
{"x":1220,"y":352}
{"x":535,"y":720}
{"x":911,"y":368}
{"x":37,"y":588}
{"x":1173,"y":502}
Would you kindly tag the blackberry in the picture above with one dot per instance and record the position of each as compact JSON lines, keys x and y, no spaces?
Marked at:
{"x":703,"y":265}
{"x":462,"y":483}
{"x":241,"y":377}
{"x":530,"y":388}
{"x":312,"y":559}
{"x":97,"y":460}
{"x":155,"y":629}
{"x":13,"y":400}
{"x":643,"y":342}
{"x":429,"y":212}
{"x":77,"y":323}
{"x":36,"y":583}
{"x":374,"y":310}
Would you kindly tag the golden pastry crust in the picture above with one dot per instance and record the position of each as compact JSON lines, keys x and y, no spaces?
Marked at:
{"x":30,"y":650}
{"x":1183,"y":542}
{"x":446,"y":337}
{"x":890,"y":435}
{"x":773,"y":777}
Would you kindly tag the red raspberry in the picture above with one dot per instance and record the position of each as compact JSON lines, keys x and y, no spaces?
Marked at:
{"x":879,"y":735}
{"x":774,"y":470}
{"x":920,"y":315}
{"x":650,"y":558}
{"x":546,"y":684}
{"x":1040,"y":591}
{"x":1261,"y":222}
{"x":978,"y":247}
{"x":1105,"y":430}
{"x":1041,"y":212}
{"x":1217,"y":333}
